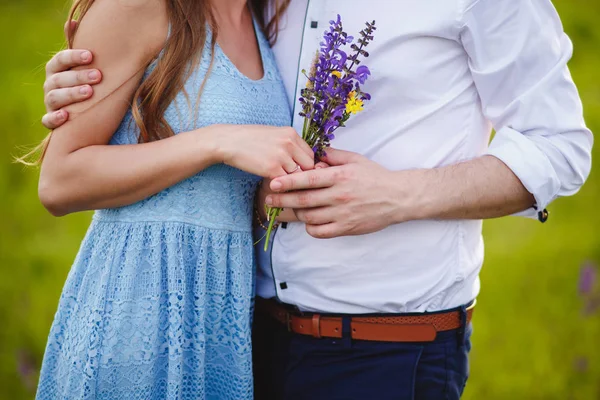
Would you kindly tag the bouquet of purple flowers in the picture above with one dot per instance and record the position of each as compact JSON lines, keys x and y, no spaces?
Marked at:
{"x":333,"y":91}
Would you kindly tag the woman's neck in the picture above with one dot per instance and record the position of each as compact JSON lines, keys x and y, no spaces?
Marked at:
{"x":231,"y":12}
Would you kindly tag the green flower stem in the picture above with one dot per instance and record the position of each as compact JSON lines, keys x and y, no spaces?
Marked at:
{"x":272,"y":213}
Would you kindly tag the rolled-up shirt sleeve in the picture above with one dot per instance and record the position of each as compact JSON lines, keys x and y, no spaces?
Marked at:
{"x":518,"y":55}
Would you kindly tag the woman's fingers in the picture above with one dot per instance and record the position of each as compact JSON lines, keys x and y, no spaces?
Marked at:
{"x":291,"y":166}
{"x":306,"y":160}
{"x":55,"y":119}
{"x":276,"y":173}
{"x":59,"y":98}
{"x":305,"y":147}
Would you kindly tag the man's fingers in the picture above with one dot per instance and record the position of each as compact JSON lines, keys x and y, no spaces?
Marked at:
{"x":327,"y":231}
{"x":70,"y":79}
{"x":315,"y":216}
{"x":59,"y":98}
{"x":67,"y":59}
{"x":302,"y":199}
{"x":55,"y":119}
{"x":336,"y":157}
{"x":314,"y":179}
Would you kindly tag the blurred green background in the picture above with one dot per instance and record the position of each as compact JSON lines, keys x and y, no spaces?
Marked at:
{"x":537,"y":334}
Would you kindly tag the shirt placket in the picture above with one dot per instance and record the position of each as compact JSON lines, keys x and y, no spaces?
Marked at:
{"x":314,"y":26}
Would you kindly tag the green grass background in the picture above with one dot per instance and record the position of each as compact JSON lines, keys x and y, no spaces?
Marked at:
{"x":532,"y":339}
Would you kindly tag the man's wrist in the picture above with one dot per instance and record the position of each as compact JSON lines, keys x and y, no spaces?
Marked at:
{"x":414,"y":198}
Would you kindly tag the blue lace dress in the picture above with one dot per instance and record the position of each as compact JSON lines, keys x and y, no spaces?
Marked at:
{"x":158,"y":302}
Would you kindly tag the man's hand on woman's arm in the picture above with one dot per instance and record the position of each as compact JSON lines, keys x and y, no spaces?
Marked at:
{"x":65,"y":86}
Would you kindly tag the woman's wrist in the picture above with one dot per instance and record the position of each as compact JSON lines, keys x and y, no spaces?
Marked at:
{"x":223,"y":140}
{"x":210,"y":141}
{"x":259,"y":202}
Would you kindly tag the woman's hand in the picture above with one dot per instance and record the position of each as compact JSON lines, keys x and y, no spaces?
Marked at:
{"x":64,"y":86}
{"x":265,"y":151}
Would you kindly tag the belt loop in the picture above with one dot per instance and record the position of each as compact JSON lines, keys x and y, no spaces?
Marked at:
{"x":316,"y":326}
{"x":463,"y":325}
{"x":347,"y":331}
{"x":288,"y":321}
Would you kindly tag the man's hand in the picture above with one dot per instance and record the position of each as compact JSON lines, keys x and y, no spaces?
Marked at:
{"x":357,"y":196}
{"x":65,"y":86}
{"x":354,"y":196}
{"x":264,"y":190}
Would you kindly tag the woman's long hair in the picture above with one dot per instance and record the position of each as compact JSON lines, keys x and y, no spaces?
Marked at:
{"x":188,"y":21}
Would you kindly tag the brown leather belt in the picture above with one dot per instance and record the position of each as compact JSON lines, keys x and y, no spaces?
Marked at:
{"x":405,"y":328}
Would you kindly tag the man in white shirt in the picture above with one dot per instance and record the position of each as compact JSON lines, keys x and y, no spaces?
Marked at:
{"x":374,"y":287}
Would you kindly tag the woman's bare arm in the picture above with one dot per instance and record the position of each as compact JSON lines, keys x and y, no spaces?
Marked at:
{"x":79,"y":172}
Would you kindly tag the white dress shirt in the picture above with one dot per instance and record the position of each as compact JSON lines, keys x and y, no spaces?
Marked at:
{"x":444,"y":72}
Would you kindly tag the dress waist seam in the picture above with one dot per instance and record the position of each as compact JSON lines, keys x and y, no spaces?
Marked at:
{"x":208,"y":226}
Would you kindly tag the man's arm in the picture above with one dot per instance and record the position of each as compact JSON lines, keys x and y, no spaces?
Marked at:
{"x":482,"y":188}
{"x":518,"y":56}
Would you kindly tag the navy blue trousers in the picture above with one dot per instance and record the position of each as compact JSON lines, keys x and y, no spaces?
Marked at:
{"x":289,"y":366}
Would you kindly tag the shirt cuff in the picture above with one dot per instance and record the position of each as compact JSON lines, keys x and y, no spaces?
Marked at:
{"x":534,"y":213}
{"x":530,"y":165}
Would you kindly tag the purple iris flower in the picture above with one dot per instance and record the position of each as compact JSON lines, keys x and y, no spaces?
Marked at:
{"x":362,"y":74}
{"x":333,"y":77}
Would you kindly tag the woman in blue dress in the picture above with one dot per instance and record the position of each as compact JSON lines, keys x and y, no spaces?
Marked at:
{"x":191,"y":114}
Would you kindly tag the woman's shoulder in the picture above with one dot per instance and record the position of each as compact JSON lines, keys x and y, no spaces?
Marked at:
{"x":124,"y":36}
{"x":130,"y":28}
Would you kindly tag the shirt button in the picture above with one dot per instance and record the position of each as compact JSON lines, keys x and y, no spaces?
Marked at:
{"x":314,"y":24}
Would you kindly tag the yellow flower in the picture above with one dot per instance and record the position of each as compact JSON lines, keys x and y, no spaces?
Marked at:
{"x":337,"y":73}
{"x":354,"y":105}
